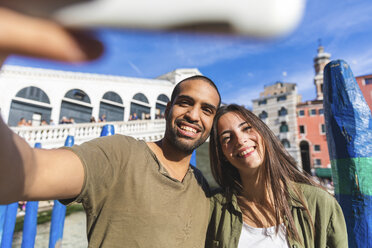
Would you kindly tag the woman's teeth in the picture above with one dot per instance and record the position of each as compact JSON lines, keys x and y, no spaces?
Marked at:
{"x":246,"y":151}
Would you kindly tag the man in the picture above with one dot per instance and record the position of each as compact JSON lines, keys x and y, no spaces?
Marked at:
{"x":135,"y":194}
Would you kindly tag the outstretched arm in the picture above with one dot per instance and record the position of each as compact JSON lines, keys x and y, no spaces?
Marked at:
{"x":36,"y":174}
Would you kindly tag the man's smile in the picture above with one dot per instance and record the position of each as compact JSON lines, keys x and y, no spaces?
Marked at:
{"x":187,"y":129}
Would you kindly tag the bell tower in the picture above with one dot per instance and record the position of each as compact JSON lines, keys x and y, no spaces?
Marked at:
{"x":320,"y":61}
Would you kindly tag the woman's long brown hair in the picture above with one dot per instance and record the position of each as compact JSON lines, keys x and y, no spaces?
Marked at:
{"x":279,"y":168}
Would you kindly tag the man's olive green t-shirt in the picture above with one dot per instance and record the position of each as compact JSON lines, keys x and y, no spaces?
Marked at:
{"x":131,"y":201}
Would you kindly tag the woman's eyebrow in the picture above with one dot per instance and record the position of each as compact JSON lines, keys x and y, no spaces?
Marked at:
{"x":229,"y":131}
{"x":226,"y":131}
{"x":243,"y":123}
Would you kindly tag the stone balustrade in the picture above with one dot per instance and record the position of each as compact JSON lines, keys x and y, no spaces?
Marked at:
{"x":55,"y":136}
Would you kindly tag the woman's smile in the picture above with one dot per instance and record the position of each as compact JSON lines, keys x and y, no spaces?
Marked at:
{"x":241,"y":144}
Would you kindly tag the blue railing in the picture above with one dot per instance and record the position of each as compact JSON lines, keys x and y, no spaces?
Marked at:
{"x":8,"y":214}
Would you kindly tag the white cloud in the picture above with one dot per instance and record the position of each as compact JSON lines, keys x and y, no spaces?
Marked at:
{"x":250,"y":74}
{"x":242,"y":95}
{"x":332,"y":21}
{"x":209,"y":51}
{"x":360,"y":61}
{"x":135,"y":68}
{"x":305,"y":83}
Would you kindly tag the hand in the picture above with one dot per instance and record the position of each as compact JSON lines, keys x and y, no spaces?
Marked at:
{"x":31,"y":36}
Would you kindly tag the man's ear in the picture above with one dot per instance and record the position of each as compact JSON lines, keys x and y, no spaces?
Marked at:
{"x":167,"y":110}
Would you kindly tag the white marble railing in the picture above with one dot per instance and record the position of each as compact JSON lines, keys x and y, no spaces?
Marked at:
{"x":55,"y":136}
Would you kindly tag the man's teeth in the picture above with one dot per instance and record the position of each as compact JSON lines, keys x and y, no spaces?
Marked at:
{"x":188,"y":129}
{"x":246,"y":151}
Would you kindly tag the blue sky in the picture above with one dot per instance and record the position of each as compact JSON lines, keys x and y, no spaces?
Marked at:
{"x":240,"y":66}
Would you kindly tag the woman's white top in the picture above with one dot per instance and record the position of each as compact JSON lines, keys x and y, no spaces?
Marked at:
{"x":263,"y":237}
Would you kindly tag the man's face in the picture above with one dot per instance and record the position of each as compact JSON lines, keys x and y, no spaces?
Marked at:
{"x":190,"y":117}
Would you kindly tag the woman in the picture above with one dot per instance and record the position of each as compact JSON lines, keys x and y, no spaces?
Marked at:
{"x":266,"y":200}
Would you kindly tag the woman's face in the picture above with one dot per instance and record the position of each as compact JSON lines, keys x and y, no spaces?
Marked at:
{"x":241,"y":145}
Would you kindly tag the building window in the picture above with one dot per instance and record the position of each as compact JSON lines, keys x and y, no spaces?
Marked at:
{"x":111,"y":107}
{"x":78,"y":95}
{"x":283,"y":127}
{"x":261,"y":102}
{"x":113,"y":97}
{"x":312,"y":112}
{"x":282,"y":112}
{"x":368,"y":81}
{"x":263,"y":115}
{"x":318,"y":162}
{"x":33,"y":93}
{"x":140,"y":97}
{"x":301,"y":112}
{"x":139,"y":108}
{"x":281,"y":98}
{"x":163,"y":98}
{"x":302,"y":129}
{"x":321,"y":111}
{"x":286,"y":143}
{"x":161,"y":105}
{"x":322,"y":129}
{"x":317,"y":148}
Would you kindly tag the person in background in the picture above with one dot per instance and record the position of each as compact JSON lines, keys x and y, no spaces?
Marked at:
{"x":266,"y":201}
{"x":102,"y":118}
{"x":64,"y":120}
{"x":92,"y":119}
{"x":22,"y":122}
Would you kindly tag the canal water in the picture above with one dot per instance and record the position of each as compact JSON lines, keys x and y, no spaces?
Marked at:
{"x":74,"y":233}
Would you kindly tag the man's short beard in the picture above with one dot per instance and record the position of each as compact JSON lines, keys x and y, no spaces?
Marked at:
{"x":173,"y":138}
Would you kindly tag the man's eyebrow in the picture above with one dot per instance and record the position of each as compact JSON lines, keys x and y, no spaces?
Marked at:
{"x":192,"y":99}
{"x":210,"y":106}
{"x":186,"y":96}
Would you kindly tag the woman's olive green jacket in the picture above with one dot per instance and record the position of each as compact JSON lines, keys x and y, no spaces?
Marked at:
{"x":329,"y":224}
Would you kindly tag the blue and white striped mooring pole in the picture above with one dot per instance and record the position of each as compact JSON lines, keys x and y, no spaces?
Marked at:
{"x":29,"y":226}
{"x":193,"y":158}
{"x":30,"y":220}
{"x":58,"y":213}
{"x":108,"y":130}
{"x":349,"y":135}
{"x":9,"y":224}
{"x":2,"y":220}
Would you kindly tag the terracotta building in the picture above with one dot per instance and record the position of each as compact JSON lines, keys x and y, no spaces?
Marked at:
{"x":311,"y":136}
{"x":365,"y":84}
{"x":311,"y":124}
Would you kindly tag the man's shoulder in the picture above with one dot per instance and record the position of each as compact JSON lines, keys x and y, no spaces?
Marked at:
{"x":109,"y":145}
{"x":115,"y":140}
